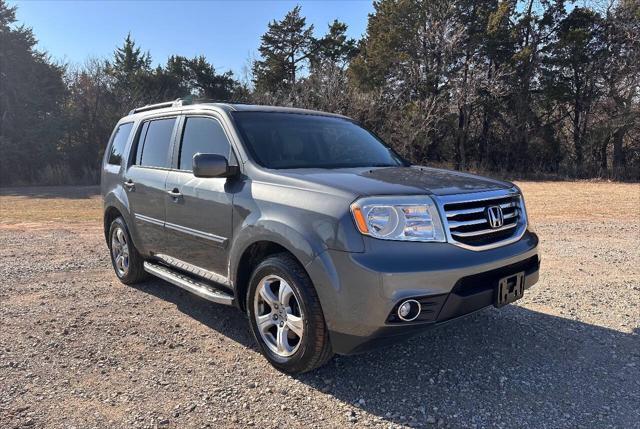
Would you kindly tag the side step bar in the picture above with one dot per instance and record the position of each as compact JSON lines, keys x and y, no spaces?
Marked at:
{"x":200,"y":288}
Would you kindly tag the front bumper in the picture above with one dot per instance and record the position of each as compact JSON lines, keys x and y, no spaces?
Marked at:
{"x":359,"y":291}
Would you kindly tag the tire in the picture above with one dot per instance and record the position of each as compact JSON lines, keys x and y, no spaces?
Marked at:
{"x":129,"y":269}
{"x":278,"y":335}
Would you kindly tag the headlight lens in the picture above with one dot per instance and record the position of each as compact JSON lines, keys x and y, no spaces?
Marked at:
{"x":407,"y":218}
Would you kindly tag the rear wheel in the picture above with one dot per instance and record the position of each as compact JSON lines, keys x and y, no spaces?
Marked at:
{"x":286,"y":317}
{"x":126,"y":261}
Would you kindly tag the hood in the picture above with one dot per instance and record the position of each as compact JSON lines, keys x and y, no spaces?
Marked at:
{"x":398,"y":180}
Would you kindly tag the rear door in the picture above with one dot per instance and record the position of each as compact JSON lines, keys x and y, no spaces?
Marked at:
{"x":145,"y":180}
{"x":198,"y":210}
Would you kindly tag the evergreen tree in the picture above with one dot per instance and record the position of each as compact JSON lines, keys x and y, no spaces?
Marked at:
{"x":129,"y":59}
{"x":31,"y":101}
{"x":194,"y":78}
{"x":286,"y":48}
{"x":335,"y":47}
{"x":572,"y":71}
{"x":326,"y":87}
{"x":132,"y":75}
{"x":407,"y":63}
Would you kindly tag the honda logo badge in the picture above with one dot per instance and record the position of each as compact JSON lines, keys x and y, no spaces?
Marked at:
{"x":495,"y":216}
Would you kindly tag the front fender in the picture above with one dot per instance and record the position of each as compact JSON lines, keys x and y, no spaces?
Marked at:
{"x":304,"y":248}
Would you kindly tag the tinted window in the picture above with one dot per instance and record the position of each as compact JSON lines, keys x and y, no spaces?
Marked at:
{"x":202,"y":135}
{"x":155,"y":151}
{"x":289,"y":140}
{"x":119,"y":141}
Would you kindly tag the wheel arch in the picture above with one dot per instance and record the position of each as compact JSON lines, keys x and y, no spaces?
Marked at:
{"x":256,"y":243}
{"x":110,"y":214}
{"x":115,"y":206}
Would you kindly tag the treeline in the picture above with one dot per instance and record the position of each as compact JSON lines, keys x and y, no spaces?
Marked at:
{"x":542,"y":88}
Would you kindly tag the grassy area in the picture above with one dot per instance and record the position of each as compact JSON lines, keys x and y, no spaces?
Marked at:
{"x":545,"y":201}
{"x":46,"y":205}
{"x":573,"y":201}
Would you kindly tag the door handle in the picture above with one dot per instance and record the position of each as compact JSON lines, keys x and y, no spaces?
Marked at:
{"x":129,"y":185}
{"x":174,"y":193}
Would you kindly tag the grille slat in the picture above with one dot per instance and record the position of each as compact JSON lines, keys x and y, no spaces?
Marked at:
{"x":483,"y":231}
{"x":468,"y":223}
{"x":461,"y":224}
{"x":457,"y":224}
{"x":454,"y":213}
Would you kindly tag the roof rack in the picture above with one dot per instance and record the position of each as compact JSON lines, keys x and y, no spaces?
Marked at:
{"x":181,"y":102}
{"x":175,"y":103}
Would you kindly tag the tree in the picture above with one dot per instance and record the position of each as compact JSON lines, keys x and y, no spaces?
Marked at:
{"x":91,"y":110}
{"x":31,"y":100}
{"x":194,"y":78}
{"x":620,"y":108}
{"x":131,"y":73}
{"x":208,"y":84}
{"x":326,"y":87}
{"x":335,"y":47}
{"x":506,"y":85}
{"x":129,"y":60}
{"x":573,"y":69}
{"x":497,"y":48}
{"x":409,"y":56}
{"x":286,"y":48}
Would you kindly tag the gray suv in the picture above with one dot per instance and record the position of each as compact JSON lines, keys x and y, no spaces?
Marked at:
{"x":324,"y":236}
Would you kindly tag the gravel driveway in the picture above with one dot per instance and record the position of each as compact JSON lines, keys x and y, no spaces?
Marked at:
{"x":78,"y":349}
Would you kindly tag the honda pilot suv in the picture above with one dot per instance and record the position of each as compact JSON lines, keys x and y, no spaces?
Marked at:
{"x":324,"y":236}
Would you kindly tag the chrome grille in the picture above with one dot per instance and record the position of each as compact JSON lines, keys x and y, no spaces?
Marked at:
{"x":467,"y":219}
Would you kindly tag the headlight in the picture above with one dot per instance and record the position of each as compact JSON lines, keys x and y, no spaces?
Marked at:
{"x":407,"y":218}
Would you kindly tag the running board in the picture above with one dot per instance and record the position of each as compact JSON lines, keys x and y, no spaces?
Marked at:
{"x":200,"y":288}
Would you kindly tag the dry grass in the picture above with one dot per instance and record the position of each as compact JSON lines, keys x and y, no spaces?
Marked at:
{"x":44,"y":206}
{"x":588,"y":201}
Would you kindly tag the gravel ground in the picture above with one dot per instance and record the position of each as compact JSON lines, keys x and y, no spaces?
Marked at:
{"x":78,"y":349}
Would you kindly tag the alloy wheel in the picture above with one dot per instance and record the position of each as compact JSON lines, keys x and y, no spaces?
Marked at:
{"x":120,"y":251}
{"x":278,"y":315}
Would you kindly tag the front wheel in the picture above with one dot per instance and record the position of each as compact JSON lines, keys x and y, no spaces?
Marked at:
{"x":286,"y":317}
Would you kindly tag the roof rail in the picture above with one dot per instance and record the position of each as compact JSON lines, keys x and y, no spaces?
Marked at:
{"x":175,"y":103}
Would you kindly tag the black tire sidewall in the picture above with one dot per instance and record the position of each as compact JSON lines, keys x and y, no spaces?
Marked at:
{"x":134,"y":259}
{"x":276,"y":266}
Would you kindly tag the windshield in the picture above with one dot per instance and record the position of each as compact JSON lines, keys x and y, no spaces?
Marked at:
{"x":292,"y":140}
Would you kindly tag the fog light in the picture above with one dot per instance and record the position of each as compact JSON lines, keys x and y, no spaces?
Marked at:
{"x":409,"y":310}
{"x":404,"y":309}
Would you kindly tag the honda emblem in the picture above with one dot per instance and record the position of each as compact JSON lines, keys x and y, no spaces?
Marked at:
{"x":495,"y":216}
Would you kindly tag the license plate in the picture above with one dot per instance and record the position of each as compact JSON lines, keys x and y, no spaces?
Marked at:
{"x":510,"y":289}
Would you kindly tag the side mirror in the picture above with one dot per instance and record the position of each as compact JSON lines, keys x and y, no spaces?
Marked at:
{"x":212,"y":165}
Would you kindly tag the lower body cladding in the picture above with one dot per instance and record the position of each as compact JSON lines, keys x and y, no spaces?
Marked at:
{"x":362,"y":293}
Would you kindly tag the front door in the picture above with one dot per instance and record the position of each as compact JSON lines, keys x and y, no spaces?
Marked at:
{"x":145,"y":182}
{"x":198,"y":210}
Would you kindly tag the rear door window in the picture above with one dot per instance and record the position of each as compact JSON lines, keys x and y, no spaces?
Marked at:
{"x":156,"y":143}
{"x":119,"y":142}
{"x":202,"y":135}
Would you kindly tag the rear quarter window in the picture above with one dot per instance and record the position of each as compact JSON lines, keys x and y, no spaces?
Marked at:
{"x":119,"y":142}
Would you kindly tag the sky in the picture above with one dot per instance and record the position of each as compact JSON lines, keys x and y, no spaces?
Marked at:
{"x":226,"y":32}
